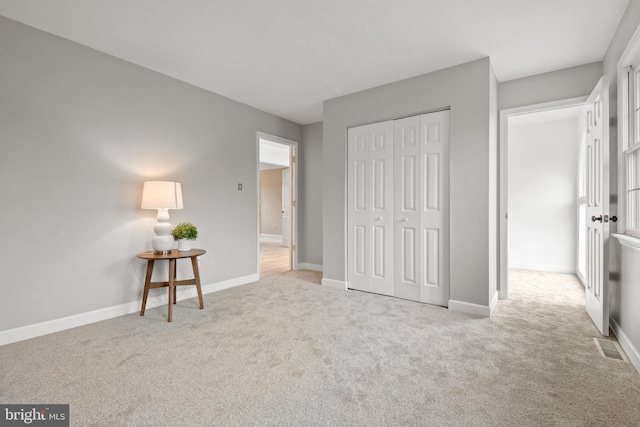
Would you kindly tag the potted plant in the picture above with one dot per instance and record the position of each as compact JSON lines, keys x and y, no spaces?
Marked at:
{"x":184,"y":233}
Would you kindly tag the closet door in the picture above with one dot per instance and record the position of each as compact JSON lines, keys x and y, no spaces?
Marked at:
{"x":370,"y":208}
{"x":406,"y":213}
{"x":434,"y":208}
{"x":421,"y":195}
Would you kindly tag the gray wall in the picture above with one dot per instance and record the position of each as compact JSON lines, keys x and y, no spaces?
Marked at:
{"x":624,"y":292}
{"x":555,"y":85}
{"x":466,"y":90}
{"x":80,"y":131}
{"x":310,"y":225}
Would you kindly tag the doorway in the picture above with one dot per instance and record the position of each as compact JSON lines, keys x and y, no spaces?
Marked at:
{"x":277,"y":195}
{"x":541,"y":188}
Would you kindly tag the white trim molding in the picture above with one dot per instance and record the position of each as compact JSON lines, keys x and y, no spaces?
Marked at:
{"x":309,"y":266}
{"x":335,"y":284}
{"x":628,"y":241}
{"x":470,"y":308}
{"x":56,"y":325}
{"x":631,"y":351}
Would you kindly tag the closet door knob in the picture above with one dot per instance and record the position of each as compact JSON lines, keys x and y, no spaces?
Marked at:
{"x":379,"y":218}
{"x":596,"y":218}
{"x":405,"y":219}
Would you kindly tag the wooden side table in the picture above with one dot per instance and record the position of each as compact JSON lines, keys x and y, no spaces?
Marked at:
{"x":172,"y":283}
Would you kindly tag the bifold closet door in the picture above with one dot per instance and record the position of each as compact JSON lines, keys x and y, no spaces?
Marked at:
{"x":370,"y":208}
{"x":397,"y":209}
{"x":421,"y":194}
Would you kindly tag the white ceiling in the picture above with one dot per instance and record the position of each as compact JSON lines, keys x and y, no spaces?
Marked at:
{"x":287,"y":56}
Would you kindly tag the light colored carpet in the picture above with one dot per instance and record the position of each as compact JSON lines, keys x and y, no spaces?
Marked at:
{"x":295,"y":353}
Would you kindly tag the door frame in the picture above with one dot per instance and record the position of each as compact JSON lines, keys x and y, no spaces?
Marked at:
{"x":503,"y":178}
{"x":293,"y":248}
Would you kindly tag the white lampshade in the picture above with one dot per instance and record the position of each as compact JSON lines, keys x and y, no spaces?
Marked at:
{"x":162,"y":195}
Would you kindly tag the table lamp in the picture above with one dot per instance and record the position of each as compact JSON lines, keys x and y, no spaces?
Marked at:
{"x":162,"y":195}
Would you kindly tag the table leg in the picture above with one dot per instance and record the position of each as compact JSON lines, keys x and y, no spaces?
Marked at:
{"x":175,"y":288}
{"x":196,"y":275}
{"x":172,"y":271}
{"x":147,"y":283}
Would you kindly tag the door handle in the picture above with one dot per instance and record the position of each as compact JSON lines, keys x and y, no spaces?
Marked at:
{"x":596,"y":218}
{"x":379,"y":218}
{"x":614,"y":219}
{"x":405,"y":219}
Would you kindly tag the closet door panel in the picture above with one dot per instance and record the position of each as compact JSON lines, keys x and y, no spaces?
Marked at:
{"x":381,"y":213}
{"x":406,"y":212}
{"x":358,"y":205}
{"x":370,"y":208}
{"x":434,"y":215}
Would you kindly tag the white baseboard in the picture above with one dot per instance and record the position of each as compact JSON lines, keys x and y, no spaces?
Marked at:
{"x":335,"y":284}
{"x":625,"y":342}
{"x":271,"y":235}
{"x":493,"y":303}
{"x":545,"y":268}
{"x":469,"y":308}
{"x":56,"y":325}
{"x":309,"y":266}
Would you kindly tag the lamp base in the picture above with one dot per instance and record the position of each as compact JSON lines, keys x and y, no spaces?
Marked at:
{"x":162,"y":244}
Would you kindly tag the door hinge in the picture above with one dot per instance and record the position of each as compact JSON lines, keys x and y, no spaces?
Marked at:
{"x":293,"y":159}
{"x":293,"y":203}
{"x":293,"y":247}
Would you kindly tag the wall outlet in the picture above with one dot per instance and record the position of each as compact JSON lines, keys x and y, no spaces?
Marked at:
{"x":239,"y":187}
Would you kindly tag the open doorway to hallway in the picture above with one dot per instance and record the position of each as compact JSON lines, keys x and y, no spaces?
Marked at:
{"x":276,"y":205}
{"x":544,"y":185}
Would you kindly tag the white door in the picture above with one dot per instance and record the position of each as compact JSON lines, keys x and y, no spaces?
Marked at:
{"x":407,"y":191}
{"x":370,"y":208}
{"x":286,"y":207}
{"x":597,"y":211}
{"x":421,"y":196}
{"x":434,"y":208}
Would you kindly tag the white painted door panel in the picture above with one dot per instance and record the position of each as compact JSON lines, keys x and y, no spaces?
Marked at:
{"x":406,"y":189}
{"x":597,"y":211}
{"x":370,"y":206}
{"x":434,"y":208}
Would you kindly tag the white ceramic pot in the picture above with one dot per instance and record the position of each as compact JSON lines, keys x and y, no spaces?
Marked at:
{"x":184,"y":245}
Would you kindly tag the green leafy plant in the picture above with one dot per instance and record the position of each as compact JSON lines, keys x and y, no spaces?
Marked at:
{"x":185,"y":230}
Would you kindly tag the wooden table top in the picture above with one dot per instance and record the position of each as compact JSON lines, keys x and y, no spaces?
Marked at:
{"x":173,"y":254}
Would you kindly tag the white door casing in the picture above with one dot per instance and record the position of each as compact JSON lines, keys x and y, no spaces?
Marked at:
{"x":597,"y":211}
{"x":370,"y":205}
{"x":416,"y":228}
{"x":286,"y":207}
